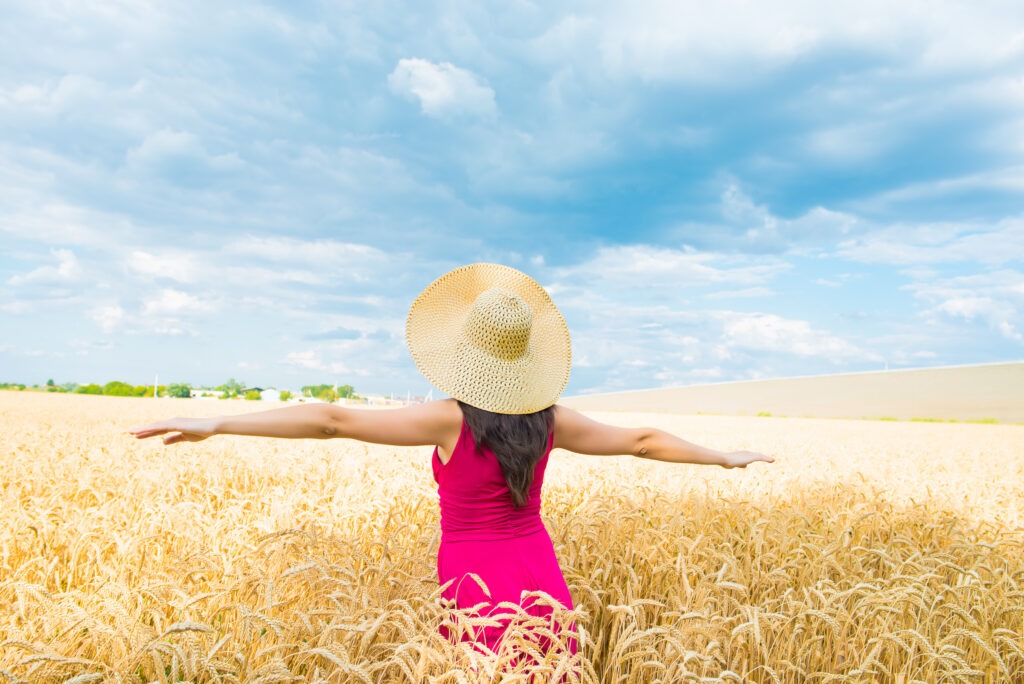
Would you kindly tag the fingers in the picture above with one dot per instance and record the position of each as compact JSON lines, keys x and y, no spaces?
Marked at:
{"x":153,"y":429}
{"x":156,"y":430}
{"x":143,"y":433}
{"x":183,"y":437}
{"x":745,"y":458}
{"x":147,"y":430}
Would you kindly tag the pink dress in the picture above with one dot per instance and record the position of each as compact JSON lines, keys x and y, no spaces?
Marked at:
{"x":483,"y":533}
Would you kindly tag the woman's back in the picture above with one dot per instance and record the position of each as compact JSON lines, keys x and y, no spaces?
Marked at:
{"x":475,"y":499}
{"x":486,"y":537}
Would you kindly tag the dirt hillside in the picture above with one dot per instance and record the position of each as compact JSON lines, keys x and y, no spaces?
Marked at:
{"x":981,"y":393}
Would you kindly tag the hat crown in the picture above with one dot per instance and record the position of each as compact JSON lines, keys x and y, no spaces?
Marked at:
{"x":499,"y":323}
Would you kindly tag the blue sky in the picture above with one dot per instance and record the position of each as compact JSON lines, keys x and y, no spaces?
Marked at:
{"x":710,"y":193}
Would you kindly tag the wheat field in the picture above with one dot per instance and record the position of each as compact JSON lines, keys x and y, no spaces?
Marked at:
{"x":869,"y":552}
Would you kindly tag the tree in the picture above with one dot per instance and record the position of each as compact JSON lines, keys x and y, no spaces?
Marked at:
{"x":91,"y":388}
{"x":116,"y":388}
{"x":253,"y":395}
{"x":285,"y":395}
{"x":179,"y":390}
{"x":312,"y":391}
{"x":231,"y":388}
{"x":51,"y":383}
{"x":330,"y":395}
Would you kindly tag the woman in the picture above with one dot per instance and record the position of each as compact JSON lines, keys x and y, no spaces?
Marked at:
{"x":490,"y":337}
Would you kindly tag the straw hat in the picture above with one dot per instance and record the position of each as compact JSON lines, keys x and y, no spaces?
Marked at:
{"x":490,"y":336}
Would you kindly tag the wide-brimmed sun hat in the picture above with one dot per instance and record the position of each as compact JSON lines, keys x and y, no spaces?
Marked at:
{"x":490,"y":336}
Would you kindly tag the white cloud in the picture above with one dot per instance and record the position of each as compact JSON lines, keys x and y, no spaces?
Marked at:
{"x":325,"y":252}
{"x":932,"y":243}
{"x":443,"y":90}
{"x":311,"y":360}
{"x":996,"y":300}
{"x":71,"y":95}
{"x":850,"y":144}
{"x":16,"y":307}
{"x":662,"y":39}
{"x":749,"y":227}
{"x":171,"y":301}
{"x":768,"y":332}
{"x":108,"y":316}
{"x":68,"y":270}
{"x":176,"y":154}
{"x":170,"y":327}
{"x":181,"y":266}
{"x":742,"y":293}
{"x":645,"y":267}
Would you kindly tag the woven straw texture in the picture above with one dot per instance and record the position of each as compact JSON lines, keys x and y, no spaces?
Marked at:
{"x":490,"y":336}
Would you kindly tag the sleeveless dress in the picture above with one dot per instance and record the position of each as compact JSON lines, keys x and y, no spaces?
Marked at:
{"x":482,"y":533}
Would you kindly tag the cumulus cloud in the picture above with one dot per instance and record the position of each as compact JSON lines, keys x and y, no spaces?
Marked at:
{"x":108,"y":316}
{"x":180,"y":157}
{"x":662,"y":39}
{"x":742,"y":293}
{"x":995,"y":300}
{"x":932,"y":243}
{"x":768,"y":332}
{"x":53,"y":96}
{"x":358,"y":260}
{"x":311,"y":360}
{"x":175,"y":302}
{"x":643,"y":266}
{"x":66,"y":271}
{"x":181,"y":266}
{"x":642,"y":315}
{"x":443,"y":90}
{"x":746,"y":226}
{"x":632,"y":345}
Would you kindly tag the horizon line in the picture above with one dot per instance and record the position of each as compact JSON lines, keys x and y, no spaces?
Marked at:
{"x":801,"y":377}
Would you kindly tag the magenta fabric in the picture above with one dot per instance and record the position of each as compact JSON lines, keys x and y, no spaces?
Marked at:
{"x":508,"y":548}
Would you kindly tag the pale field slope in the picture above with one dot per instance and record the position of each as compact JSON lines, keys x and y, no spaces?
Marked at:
{"x":870,"y":551}
{"x":990,"y":392}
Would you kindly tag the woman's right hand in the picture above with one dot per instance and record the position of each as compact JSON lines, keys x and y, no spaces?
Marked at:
{"x":177,"y":430}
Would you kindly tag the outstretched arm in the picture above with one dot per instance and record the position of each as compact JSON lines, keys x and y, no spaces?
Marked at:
{"x":432,"y":423}
{"x":576,"y":432}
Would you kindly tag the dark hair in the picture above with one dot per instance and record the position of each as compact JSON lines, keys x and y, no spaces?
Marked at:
{"x":519,"y":442}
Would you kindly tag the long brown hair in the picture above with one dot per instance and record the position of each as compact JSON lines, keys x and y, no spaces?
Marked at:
{"x":519,"y":442}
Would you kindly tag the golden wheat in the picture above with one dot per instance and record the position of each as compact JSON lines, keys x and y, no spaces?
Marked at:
{"x":868,"y":552}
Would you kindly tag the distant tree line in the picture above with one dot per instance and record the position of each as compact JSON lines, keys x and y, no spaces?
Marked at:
{"x":228,"y":390}
{"x":328,"y":393}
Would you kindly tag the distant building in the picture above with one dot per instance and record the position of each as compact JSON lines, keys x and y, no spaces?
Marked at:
{"x":391,"y":400}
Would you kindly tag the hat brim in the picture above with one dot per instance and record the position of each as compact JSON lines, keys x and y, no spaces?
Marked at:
{"x":434,"y":333}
